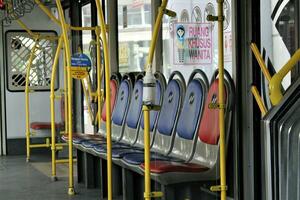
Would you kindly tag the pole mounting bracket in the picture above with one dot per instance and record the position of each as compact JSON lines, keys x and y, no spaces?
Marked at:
{"x":216,"y":106}
{"x":218,"y":188}
{"x":153,"y":195}
{"x":213,"y":18}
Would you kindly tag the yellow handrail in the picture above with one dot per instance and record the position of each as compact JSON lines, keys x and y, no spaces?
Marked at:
{"x":31,"y":58}
{"x":222,"y":139}
{"x":87,"y":99}
{"x":107,"y":90}
{"x":54,"y":19}
{"x":35,"y":35}
{"x":260,"y":61}
{"x":146,"y":109}
{"x":99,"y":76}
{"x":275,"y":83}
{"x":70,"y":129}
{"x":221,"y":101}
{"x":258,"y":100}
{"x":52,"y":108}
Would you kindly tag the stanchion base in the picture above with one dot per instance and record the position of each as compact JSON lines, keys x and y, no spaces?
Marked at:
{"x":27,"y":160}
{"x":54,"y":178}
{"x":71,"y":191}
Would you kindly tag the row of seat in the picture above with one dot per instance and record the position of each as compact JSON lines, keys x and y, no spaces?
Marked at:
{"x":184,"y":133}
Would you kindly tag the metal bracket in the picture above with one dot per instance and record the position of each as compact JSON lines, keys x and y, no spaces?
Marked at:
{"x":216,"y":106}
{"x":218,"y":188}
{"x":212,"y":18}
{"x":170,"y":13}
{"x":151,"y":107}
{"x":153,"y":195}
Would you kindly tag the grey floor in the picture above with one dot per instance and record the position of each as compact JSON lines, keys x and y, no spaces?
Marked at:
{"x":30,"y":181}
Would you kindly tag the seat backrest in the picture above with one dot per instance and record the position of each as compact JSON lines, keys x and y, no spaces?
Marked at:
{"x":113,"y":93}
{"x":171,"y":106}
{"x":160,"y":89}
{"x":207,"y":147}
{"x":190,"y":116}
{"x":134,"y":114}
{"x":121,"y":108}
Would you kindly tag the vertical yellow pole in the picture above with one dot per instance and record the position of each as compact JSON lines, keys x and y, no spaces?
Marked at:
{"x":107,"y":90}
{"x":147,"y":153}
{"x":148,"y":194}
{"x":66,"y":93}
{"x":52,"y":107}
{"x":99,"y":74}
{"x":221,"y":100}
{"x":70,"y":87}
{"x":31,"y":58}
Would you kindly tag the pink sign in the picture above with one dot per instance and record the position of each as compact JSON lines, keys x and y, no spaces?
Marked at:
{"x":192,"y":43}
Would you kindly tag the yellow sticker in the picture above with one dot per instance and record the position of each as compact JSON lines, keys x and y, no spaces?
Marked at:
{"x":79,"y":72}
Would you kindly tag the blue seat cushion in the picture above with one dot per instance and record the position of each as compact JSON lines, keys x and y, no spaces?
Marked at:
{"x":122,"y":102}
{"x":138,"y":158}
{"x":189,"y":116}
{"x":135,"y":107}
{"x":170,"y":107}
{"x":101,"y":148}
{"x":121,"y":152}
{"x":92,"y":143}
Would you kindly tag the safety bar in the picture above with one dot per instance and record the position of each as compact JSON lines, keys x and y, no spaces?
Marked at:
{"x":275,"y":91}
{"x":107,"y":91}
{"x":260,"y":61}
{"x":52,"y":108}
{"x":148,"y":195}
{"x":222,"y":188}
{"x":27,"y":91}
{"x":259,"y":101}
{"x":70,"y":87}
{"x":54,"y":19}
{"x":275,"y":83}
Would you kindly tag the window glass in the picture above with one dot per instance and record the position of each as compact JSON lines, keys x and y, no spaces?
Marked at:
{"x":86,"y":39}
{"x":190,"y":41}
{"x":278,"y":36}
{"x":134,"y":34}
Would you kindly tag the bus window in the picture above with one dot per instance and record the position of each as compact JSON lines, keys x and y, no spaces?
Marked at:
{"x":278,"y":35}
{"x":134,"y":34}
{"x":86,"y":39}
{"x":190,"y":41}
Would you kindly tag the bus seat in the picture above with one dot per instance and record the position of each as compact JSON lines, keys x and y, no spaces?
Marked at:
{"x":171,"y":106}
{"x":204,"y":164}
{"x":78,"y":138}
{"x":47,"y":125}
{"x":187,"y":124}
{"x":132,"y":120}
{"x":118,"y":116}
{"x":118,"y":153}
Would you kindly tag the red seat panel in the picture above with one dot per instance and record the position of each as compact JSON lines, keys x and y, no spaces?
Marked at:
{"x":209,"y":130}
{"x":113,"y":93}
{"x":159,"y":167}
{"x":44,"y":125}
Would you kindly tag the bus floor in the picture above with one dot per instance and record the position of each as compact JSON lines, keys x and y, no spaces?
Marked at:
{"x":30,"y":181}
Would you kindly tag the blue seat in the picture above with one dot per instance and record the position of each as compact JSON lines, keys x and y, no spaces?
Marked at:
{"x":204,"y":163}
{"x":129,"y":135}
{"x":167,"y":121}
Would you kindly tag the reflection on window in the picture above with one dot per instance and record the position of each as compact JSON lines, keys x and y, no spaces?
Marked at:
{"x":134,"y":26}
